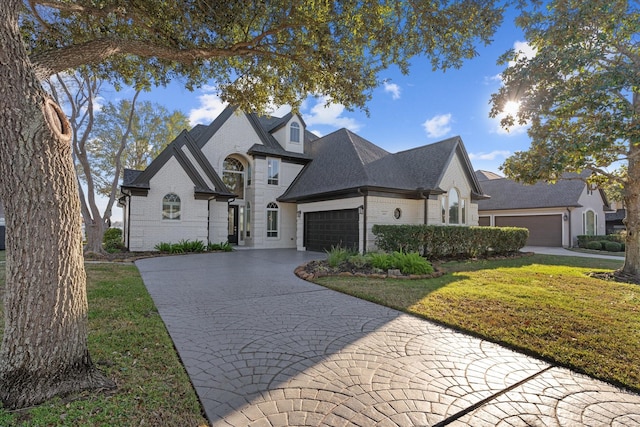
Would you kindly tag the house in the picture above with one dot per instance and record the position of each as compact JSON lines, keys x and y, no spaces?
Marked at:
{"x":615,"y":218}
{"x":555,"y":214}
{"x":267,"y":182}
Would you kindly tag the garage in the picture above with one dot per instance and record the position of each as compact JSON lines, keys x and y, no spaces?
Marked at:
{"x":544,"y":230}
{"x":325,"y":229}
{"x":484,"y":221}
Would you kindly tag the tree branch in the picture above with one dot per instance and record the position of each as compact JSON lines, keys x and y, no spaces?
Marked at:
{"x":96,"y":51}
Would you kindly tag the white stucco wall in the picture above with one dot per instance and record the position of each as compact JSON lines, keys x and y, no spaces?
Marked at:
{"x":147,"y":226}
{"x":380,"y":211}
{"x":590,"y":200}
{"x":454,"y":177}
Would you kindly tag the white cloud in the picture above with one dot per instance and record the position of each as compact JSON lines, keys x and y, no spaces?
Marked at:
{"x":393,"y":89}
{"x":490,"y":156}
{"x":330,"y":115}
{"x":438,"y":125}
{"x":524,"y":50}
{"x":210,"y":107}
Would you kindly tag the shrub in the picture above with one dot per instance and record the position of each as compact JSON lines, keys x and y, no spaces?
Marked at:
{"x":222,"y":246}
{"x":191,"y":246}
{"x":612,"y":246}
{"x":584,"y":239}
{"x":380,"y":260}
{"x":445,"y":241}
{"x":337,"y":255}
{"x":594,"y":245}
{"x":411,"y":263}
{"x":163,"y":247}
{"x":359,"y":260}
{"x":112,"y":240}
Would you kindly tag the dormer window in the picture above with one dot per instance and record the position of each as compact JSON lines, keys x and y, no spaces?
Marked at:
{"x":294,"y":132}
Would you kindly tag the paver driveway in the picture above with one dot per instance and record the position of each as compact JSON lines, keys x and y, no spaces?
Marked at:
{"x":264,"y":348}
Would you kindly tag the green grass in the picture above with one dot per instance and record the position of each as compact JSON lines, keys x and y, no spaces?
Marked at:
{"x":543,"y":305}
{"x":128,"y":341}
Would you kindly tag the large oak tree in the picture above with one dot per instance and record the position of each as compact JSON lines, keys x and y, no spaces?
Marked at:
{"x":257,"y":52}
{"x":580,"y":94}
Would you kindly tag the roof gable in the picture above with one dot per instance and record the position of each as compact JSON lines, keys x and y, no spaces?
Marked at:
{"x":141,"y":179}
{"x":508,"y":194}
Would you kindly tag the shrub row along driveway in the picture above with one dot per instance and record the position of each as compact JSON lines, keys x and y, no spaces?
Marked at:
{"x":265,"y":348}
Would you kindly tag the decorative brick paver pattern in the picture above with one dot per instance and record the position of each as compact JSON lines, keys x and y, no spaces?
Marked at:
{"x":264,"y":348}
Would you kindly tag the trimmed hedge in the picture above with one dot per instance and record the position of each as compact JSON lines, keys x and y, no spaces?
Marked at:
{"x":434,"y":241}
{"x":584,"y":239}
{"x":594,"y":245}
{"x":612,"y":246}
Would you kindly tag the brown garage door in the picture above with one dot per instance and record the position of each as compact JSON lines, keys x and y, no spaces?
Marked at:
{"x":484,"y":221}
{"x":322,"y":230}
{"x":544,"y":230}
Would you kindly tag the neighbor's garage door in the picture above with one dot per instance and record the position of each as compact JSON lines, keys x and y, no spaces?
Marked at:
{"x":322,"y":230}
{"x":544,"y":230}
{"x":484,"y":221}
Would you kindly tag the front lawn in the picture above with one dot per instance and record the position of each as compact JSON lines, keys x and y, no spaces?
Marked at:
{"x":542,"y":305}
{"x":128,"y":341}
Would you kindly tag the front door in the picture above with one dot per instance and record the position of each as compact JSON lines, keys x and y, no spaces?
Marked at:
{"x":233,"y":224}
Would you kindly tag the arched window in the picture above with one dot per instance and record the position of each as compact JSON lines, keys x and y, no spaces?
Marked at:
{"x":272,"y":220}
{"x":294,"y":132}
{"x":454,"y":207}
{"x":171,"y":206}
{"x":233,"y":176}
{"x":590,"y":223}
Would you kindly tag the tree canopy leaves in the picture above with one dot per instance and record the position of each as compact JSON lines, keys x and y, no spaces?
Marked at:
{"x":257,"y":51}
{"x":579,"y":92}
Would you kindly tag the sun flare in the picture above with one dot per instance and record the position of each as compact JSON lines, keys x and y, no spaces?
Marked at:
{"x":511,"y":108}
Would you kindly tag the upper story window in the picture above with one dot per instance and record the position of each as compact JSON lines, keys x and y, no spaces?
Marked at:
{"x":233,"y":176}
{"x":272,"y":220}
{"x":294,"y":132}
{"x":273,"y":172}
{"x":171,"y":206}
{"x":454,"y":207}
{"x":249,"y":174}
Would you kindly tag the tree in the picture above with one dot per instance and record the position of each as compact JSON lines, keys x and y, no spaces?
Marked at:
{"x":153,"y":127}
{"x":580,"y":94}
{"x":78,"y":92}
{"x":106,"y":141}
{"x":257,"y":51}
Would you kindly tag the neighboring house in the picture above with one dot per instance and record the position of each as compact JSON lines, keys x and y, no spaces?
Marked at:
{"x":555,"y":214}
{"x":2,"y":227}
{"x":266,"y":182}
{"x":615,"y":219}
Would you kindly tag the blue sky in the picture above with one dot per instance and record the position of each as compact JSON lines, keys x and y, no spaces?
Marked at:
{"x":407,"y":111}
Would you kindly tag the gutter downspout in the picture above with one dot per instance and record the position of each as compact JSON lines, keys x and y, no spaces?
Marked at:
{"x":364,"y":220}
{"x":569,"y":225}
{"x":421,"y":195}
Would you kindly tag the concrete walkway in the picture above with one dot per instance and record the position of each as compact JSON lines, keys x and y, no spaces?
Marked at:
{"x":264,"y":348}
{"x":565,"y":252}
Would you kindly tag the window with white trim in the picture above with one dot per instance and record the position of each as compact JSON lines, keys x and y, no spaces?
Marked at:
{"x":454,"y":207}
{"x":171,"y":206}
{"x":272,"y":220}
{"x":589,"y":223}
{"x":233,"y":176}
{"x":273,"y":172}
{"x":294,"y":132}
{"x":443,"y":210}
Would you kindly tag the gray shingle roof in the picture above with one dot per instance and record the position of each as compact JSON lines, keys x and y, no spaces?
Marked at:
{"x":344,"y":161}
{"x":140,"y":179}
{"x":508,"y":194}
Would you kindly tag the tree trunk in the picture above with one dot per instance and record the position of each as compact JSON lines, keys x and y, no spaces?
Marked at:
{"x":44,"y":347}
{"x":631,"y":269}
{"x":94,"y":232}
